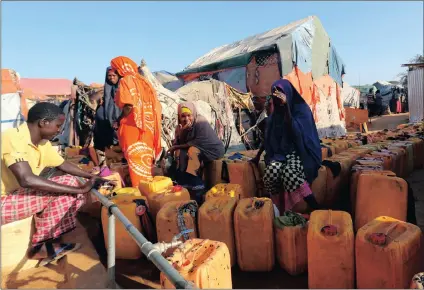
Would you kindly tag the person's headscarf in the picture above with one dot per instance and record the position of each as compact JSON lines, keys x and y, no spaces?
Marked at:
{"x":200,"y":134}
{"x":293,"y":128}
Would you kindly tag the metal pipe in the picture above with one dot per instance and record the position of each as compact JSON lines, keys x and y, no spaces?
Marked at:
{"x":147,"y":248}
{"x":111,"y":251}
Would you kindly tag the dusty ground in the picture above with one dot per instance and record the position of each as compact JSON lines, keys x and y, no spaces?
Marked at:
{"x":386,"y":122}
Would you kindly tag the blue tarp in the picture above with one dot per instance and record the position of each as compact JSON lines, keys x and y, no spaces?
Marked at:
{"x":302,"y":38}
{"x":335,"y":66}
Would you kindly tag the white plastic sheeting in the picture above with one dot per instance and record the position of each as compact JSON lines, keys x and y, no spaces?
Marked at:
{"x":350,"y":96}
{"x":329,"y":123}
{"x":10,"y":111}
{"x":168,"y":80}
{"x":416,"y":95}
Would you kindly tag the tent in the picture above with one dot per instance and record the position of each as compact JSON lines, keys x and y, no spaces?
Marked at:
{"x":301,"y":52}
{"x":350,"y":96}
{"x":13,"y":104}
{"x":168,"y":80}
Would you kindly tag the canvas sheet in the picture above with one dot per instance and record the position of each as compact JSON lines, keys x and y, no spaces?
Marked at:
{"x":336,"y":67}
{"x":302,"y":38}
{"x":11,"y":116}
{"x":350,"y":96}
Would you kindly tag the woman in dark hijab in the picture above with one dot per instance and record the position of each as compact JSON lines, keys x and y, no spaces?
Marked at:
{"x":107,"y":114}
{"x":292,"y":146}
{"x":195,"y":141}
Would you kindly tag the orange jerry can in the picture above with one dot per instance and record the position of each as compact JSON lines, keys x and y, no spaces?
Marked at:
{"x":409,"y":164}
{"x":291,"y":248}
{"x":133,"y":207}
{"x":158,"y":199}
{"x":244,"y":174}
{"x":213,"y":173}
{"x":379,"y":195}
{"x":225,"y":189}
{"x":386,"y":158}
{"x":354,"y":182}
{"x":402,"y":160}
{"x":418,"y":152}
{"x":324,"y":153}
{"x":417,"y":281}
{"x":205,"y":263}
{"x":157,"y":185}
{"x":123,"y":170}
{"x":341,"y":145}
{"x":331,"y":250}
{"x":388,"y":253}
{"x":396,"y":160}
{"x":254,"y":234}
{"x":216,"y":222}
{"x":319,"y":189}
{"x":71,"y":152}
{"x":176,"y":217}
{"x":335,"y":184}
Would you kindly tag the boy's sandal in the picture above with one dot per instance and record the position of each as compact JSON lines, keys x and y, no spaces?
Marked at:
{"x":55,"y":255}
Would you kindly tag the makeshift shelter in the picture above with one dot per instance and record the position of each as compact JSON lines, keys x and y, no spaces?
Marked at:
{"x":350,"y":96}
{"x":415,"y":91}
{"x":215,"y":100}
{"x":14,"y":109}
{"x":301,"y":52}
{"x":168,"y":80}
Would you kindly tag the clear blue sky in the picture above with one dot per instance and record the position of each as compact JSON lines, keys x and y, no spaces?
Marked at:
{"x":67,"y":39}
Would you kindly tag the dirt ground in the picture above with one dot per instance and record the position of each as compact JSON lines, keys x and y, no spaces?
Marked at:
{"x":386,"y":122}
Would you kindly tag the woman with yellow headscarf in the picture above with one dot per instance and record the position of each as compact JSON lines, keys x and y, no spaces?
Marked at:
{"x":139,"y":130}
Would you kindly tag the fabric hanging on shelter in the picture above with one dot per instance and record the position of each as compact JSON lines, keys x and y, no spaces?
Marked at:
{"x":302,"y":46}
{"x":320,"y":50}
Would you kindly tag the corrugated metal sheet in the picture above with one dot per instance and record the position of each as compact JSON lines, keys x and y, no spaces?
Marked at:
{"x":416,"y":95}
{"x":47,"y":87}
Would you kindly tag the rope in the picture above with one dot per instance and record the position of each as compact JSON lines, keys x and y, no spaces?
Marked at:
{"x":191,"y":208}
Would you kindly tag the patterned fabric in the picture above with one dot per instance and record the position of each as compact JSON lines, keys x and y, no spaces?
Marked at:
{"x":139,"y":132}
{"x":54,"y":214}
{"x":190,"y":208}
{"x":289,"y":174}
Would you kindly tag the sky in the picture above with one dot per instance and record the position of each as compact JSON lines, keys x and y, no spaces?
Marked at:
{"x":78,"y":39}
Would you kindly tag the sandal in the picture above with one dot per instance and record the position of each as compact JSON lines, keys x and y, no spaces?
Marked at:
{"x":59,"y":253}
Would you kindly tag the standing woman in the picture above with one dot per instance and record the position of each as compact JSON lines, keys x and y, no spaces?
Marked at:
{"x":107,"y":114}
{"x":292,"y":146}
{"x":140,"y":122}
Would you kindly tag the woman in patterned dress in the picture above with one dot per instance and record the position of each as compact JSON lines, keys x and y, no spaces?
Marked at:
{"x":292,"y":146}
{"x":139,"y":130}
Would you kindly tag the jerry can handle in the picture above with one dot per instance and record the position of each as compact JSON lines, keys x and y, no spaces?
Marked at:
{"x":179,"y":235}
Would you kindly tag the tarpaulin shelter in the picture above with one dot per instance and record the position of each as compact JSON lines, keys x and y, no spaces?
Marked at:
{"x":168,"y":80}
{"x":301,"y":52}
{"x":14,"y":108}
{"x":350,"y":96}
